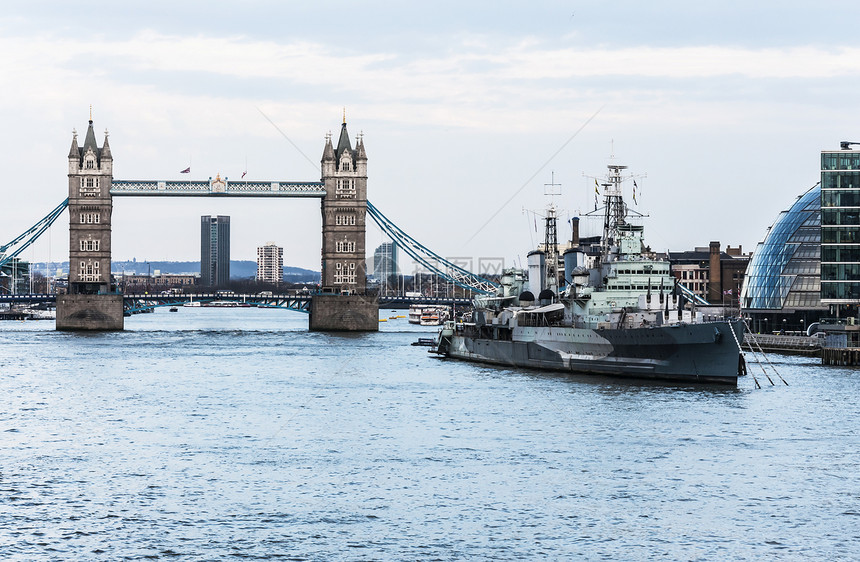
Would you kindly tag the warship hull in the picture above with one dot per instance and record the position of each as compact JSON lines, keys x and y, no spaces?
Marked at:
{"x":694,"y":353}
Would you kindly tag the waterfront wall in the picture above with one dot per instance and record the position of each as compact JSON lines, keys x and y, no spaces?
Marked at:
{"x":843,"y":357}
{"x":90,"y":312}
{"x":344,"y":313}
{"x":788,"y":345}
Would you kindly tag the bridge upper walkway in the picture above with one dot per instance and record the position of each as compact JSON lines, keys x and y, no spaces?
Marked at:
{"x":218,"y":187}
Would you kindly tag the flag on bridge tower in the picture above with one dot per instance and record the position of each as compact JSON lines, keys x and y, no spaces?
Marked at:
{"x":243,"y":174}
{"x":186,"y":170}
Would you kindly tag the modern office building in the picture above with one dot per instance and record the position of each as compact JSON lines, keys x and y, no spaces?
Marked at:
{"x":14,"y":277}
{"x":214,"y":251}
{"x":840,"y":229}
{"x":270,"y":263}
{"x":782,"y":288}
{"x":385,"y":263}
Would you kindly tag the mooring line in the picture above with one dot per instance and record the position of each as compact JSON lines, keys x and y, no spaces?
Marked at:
{"x":766,"y":358}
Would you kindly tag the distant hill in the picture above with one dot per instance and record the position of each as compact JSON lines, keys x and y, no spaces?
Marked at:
{"x":239,"y":269}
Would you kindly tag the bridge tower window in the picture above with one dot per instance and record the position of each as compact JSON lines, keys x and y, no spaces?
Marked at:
{"x":89,"y":187}
{"x":345,"y":246}
{"x":345,"y":219}
{"x":345,"y":273}
{"x":90,"y":271}
{"x":90,"y":218}
{"x":345,"y":188}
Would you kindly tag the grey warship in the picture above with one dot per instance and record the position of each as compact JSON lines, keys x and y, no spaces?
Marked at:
{"x":606,"y":306}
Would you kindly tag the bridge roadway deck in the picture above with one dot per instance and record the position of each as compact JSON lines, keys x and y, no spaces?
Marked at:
{"x":141,"y":301}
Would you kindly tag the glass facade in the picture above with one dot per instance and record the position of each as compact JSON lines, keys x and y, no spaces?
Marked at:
{"x":385,"y":262}
{"x":840,"y":227}
{"x":784,"y":272}
{"x":214,"y":251}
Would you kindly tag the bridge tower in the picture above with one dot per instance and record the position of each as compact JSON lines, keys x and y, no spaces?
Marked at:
{"x":92,"y":302}
{"x":344,"y":304}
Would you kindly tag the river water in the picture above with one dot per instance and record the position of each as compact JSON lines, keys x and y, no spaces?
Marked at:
{"x":213,"y":434}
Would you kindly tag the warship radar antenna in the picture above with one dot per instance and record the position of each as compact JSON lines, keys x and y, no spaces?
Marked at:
{"x":614,"y":210}
{"x":551,"y":236}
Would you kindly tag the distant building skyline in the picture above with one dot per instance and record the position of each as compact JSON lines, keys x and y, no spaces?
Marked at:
{"x":214,"y":250}
{"x":270,"y":263}
{"x":385,"y":262}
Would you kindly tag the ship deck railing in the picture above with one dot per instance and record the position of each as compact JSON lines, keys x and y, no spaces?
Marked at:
{"x":537,"y":321}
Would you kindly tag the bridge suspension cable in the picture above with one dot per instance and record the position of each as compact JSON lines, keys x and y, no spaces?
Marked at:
{"x":417,"y":251}
{"x":429,"y":259}
{"x":14,"y":248}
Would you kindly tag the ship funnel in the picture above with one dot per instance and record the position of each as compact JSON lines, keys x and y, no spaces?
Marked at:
{"x":537,"y":271}
{"x":574,"y":262}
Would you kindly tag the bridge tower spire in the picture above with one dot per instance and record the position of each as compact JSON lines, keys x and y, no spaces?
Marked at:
{"x":92,"y":302}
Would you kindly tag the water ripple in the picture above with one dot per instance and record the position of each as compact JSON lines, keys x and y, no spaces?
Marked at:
{"x":238,"y":434}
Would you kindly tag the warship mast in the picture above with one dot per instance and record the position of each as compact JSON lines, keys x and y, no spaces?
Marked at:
{"x":615,"y":210}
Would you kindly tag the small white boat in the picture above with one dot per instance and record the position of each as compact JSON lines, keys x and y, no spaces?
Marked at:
{"x":434,"y":315}
{"x":415,"y":312}
{"x":192,"y":304}
{"x":40,"y":314}
{"x":222,"y":304}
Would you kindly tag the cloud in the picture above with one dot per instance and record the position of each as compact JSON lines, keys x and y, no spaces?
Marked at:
{"x":477,"y":83}
{"x":466,"y":73}
{"x":478,"y":111}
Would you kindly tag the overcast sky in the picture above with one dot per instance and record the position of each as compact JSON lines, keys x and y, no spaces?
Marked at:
{"x":721,"y":109}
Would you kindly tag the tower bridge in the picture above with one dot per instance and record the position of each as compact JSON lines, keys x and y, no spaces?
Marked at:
{"x":93,"y":301}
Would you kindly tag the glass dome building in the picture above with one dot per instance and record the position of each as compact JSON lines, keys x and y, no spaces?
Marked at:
{"x":782,"y":286}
